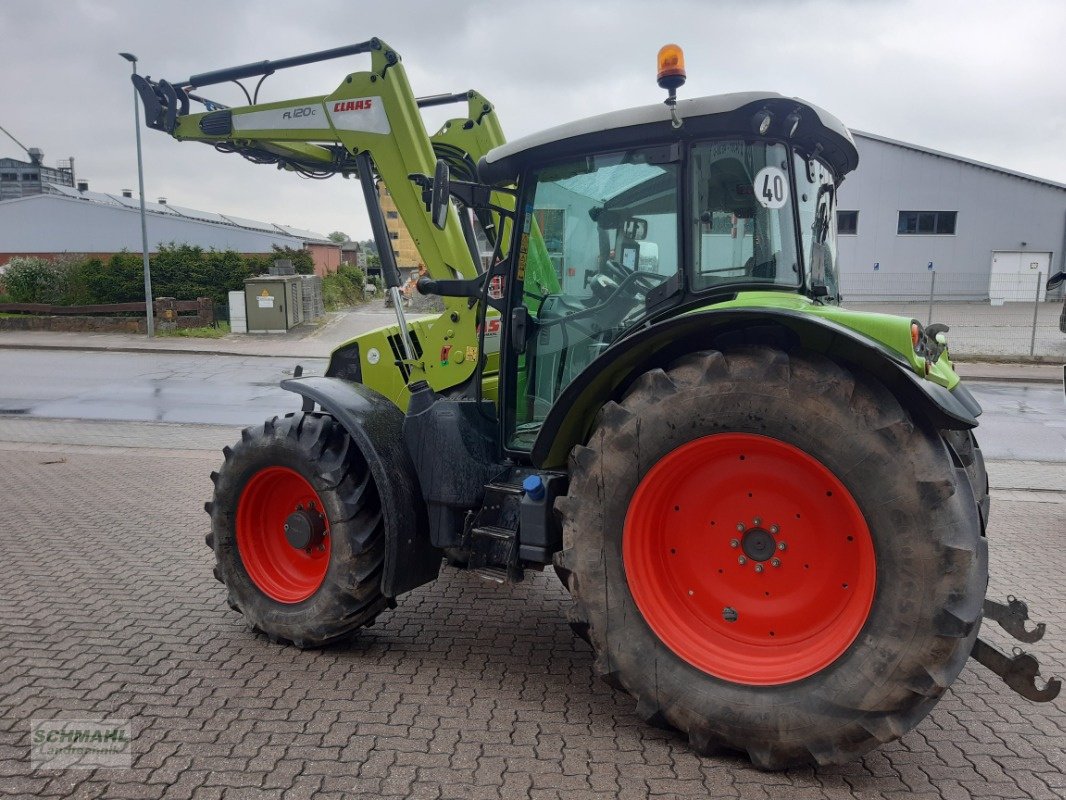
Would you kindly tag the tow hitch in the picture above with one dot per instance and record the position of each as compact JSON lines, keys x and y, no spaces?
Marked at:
{"x":1018,"y":670}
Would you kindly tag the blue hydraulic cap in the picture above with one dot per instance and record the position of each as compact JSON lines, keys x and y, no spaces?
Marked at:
{"x":533,"y":487}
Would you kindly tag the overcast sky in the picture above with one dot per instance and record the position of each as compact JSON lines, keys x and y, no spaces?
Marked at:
{"x":980,"y":79}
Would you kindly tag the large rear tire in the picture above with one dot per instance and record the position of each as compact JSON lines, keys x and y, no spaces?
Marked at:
{"x":969,"y":454}
{"x":297,"y":531}
{"x":705,"y":475}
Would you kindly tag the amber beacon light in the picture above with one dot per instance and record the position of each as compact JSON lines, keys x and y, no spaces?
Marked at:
{"x":671,"y":74}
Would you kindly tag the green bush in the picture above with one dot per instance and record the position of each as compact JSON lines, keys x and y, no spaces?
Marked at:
{"x":35,"y":280}
{"x":344,"y":287}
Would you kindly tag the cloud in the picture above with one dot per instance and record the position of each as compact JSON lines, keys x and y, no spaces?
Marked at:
{"x":967,"y":78}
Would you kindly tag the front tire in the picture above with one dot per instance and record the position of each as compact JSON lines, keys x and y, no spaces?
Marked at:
{"x":297,"y":531}
{"x":870,"y":614}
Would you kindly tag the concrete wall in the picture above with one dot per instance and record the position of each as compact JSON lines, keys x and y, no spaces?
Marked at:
{"x":996,"y":211}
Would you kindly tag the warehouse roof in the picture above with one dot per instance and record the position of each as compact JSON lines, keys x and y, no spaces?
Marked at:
{"x":180,"y":212}
{"x":969,"y":161}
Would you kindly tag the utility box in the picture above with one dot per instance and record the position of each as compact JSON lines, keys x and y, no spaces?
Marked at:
{"x":273,"y":303}
{"x":238,"y":316}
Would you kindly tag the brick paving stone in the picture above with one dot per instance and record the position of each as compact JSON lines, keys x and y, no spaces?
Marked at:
{"x":108,"y":608}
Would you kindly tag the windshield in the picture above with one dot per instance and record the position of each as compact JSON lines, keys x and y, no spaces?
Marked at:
{"x":743,"y":215}
{"x":816,"y":196}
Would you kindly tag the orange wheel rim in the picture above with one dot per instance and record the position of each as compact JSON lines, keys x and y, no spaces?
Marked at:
{"x":749,"y":559}
{"x":283,"y":535}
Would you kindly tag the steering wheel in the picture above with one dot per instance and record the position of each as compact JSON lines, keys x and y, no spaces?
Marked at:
{"x":637,"y":282}
{"x":615,"y":271}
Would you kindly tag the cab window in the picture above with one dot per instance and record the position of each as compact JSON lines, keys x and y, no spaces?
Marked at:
{"x":744,"y":226}
{"x":601,"y":233}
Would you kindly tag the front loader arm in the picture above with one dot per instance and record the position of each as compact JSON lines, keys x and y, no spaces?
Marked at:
{"x":371,"y":113}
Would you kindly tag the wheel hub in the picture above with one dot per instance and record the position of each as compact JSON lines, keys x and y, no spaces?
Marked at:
{"x":305,"y":528}
{"x":758,"y":545}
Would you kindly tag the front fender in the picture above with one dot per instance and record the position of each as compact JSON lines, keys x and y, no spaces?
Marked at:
{"x":570,"y":418}
{"x":376,"y":426}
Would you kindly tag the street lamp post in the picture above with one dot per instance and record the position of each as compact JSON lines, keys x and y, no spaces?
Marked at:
{"x":144,"y":220}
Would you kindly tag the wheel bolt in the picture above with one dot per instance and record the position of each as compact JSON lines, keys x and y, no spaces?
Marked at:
{"x":775,"y":562}
{"x":782,"y":546}
{"x":757,"y":521}
{"x":742,"y":561}
{"x":286,"y":526}
{"x":740,"y":527}
{"x":734,"y":542}
{"x":758,"y":567}
{"x":774,"y":529}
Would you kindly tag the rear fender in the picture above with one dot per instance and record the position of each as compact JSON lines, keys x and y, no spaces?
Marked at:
{"x":571,"y":417}
{"x":376,"y":426}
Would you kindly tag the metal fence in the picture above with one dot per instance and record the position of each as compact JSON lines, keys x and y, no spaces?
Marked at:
{"x":1007,"y":315}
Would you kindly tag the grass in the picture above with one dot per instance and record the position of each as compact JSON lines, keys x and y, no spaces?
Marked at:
{"x":203,"y":332}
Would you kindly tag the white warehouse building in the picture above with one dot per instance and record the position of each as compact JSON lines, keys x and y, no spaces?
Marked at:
{"x":908,"y":211}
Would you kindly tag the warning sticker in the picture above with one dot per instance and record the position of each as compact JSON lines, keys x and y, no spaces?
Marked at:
{"x":771,"y":187}
{"x":265,"y":300}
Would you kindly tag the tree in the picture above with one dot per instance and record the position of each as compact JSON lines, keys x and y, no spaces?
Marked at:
{"x":340,"y":237}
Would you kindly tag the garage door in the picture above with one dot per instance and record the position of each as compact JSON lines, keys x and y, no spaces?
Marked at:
{"x":1015,"y":276}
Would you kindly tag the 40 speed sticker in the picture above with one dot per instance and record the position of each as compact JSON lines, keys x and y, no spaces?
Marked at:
{"x":771,"y":187}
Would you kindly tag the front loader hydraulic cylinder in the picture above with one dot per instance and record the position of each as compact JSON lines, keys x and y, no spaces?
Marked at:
{"x":389,"y":269}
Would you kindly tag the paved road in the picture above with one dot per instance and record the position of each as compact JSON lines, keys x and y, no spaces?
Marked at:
{"x":465,"y":690}
{"x":1020,"y":421}
{"x":161,"y":387}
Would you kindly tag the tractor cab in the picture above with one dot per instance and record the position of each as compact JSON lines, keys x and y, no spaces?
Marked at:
{"x":633,"y":217}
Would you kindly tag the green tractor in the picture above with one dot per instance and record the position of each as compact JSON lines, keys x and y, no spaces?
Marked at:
{"x":770,"y":511}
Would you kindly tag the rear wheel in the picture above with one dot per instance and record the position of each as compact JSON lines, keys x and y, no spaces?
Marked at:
{"x":772,"y":556}
{"x":297,"y":531}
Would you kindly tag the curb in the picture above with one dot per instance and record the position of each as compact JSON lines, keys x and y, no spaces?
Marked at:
{"x":1040,"y":376}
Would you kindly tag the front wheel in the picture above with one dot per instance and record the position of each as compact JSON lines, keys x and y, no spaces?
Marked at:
{"x":772,"y":556}
{"x":297,"y":531}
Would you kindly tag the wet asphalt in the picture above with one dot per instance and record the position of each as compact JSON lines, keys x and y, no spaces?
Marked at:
{"x":1020,"y":421}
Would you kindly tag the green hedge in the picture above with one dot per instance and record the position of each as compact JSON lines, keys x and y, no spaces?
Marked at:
{"x":345,"y":287}
{"x":179,"y":271}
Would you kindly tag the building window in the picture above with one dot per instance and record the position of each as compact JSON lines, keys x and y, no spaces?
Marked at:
{"x":392,"y":214}
{"x":848,"y":222}
{"x":394,"y":235}
{"x":927,"y":222}
{"x":9,"y":176}
{"x":30,"y":176}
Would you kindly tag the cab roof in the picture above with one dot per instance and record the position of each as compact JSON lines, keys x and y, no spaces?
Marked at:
{"x":713,"y":116}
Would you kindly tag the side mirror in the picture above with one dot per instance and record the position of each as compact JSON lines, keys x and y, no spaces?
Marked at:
{"x":438,"y":208}
{"x":635,"y":228}
{"x":1055,"y":280}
